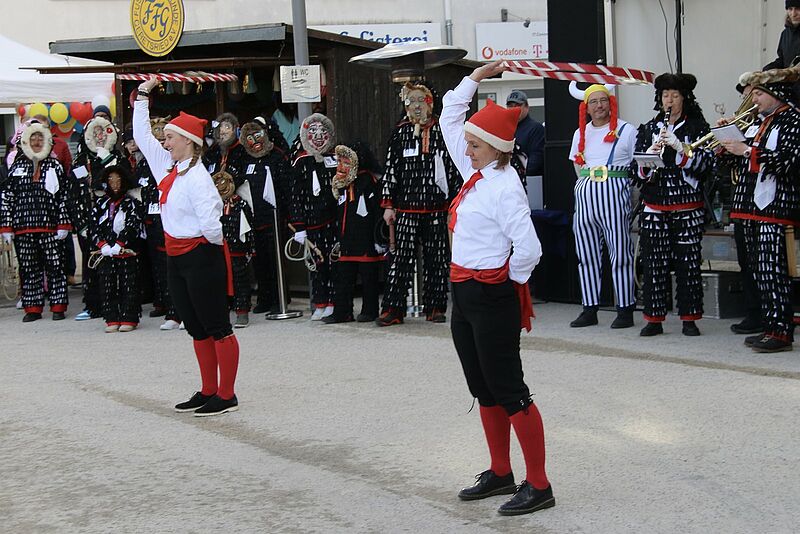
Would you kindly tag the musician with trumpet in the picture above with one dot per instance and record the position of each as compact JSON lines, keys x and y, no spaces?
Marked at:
{"x":766,"y":199}
{"x":671,"y":224}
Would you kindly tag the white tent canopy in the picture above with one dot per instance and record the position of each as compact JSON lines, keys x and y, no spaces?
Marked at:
{"x":27,"y":86}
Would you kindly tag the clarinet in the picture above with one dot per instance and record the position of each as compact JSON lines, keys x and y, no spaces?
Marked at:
{"x":667,"y":115}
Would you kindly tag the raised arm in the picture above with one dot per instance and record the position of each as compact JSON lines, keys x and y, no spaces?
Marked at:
{"x":157,"y":157}
{"x":454,"y":113}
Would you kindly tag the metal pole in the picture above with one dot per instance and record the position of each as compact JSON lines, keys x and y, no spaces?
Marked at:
{"x":283,"y":313}
{"x":300,"y":37}
{"x":678,"y":37}
{"x":448,"y":22}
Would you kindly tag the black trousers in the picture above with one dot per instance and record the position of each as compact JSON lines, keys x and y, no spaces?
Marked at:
{"x":120,"y":282}
{"x":672,"y":238}
{"x":41,"y":254}
{"x":264,"y":264}
{"x":158,"y":271}
{"x":485,"y":326}
{"x":92,"y":291}
{"x":322,"y":280}
{"x":766,"y":251}
{"x":198,"y":284}
{"x":752,"y":300}
{"x":347,"y":271}
{"x":242,"y":291}
{"x":429,"y":230}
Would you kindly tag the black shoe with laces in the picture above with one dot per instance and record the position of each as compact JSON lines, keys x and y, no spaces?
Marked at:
{"x":527,"y":500}
{"x":216,"y":405}
{"x":652,"y":329}
{"x":749,"y":340}
{"x":488,"y":484}
{"x":588,"y":317}
{"x":690,"y":329}
{"x":770,"y":343}
{"x":31,"y":316}
{"x":197,"y":400}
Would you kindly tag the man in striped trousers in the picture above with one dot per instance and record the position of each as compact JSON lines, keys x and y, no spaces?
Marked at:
{"x":602,"y":150}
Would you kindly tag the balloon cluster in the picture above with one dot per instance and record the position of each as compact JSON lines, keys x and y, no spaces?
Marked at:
{"x":66,"y":118}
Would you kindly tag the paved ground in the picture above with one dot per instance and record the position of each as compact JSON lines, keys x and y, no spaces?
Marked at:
{"x":351,"y":428}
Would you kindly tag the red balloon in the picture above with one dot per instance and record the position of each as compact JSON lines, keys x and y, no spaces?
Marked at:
{"x":21,"y":110}
{"x":114,"y":87}
{"x":81,"y":112}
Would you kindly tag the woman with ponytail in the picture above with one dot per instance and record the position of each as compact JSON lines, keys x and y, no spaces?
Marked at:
{"x":197,"y":271}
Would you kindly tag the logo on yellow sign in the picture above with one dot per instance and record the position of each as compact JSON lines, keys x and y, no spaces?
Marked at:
{"x":157,"y":25}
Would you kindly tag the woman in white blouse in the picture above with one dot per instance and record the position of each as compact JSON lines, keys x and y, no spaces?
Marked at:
{"x":495,"y":249}
{"x":197,"y":271}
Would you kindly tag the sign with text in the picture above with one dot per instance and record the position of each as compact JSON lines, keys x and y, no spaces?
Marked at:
{"x":511,"y":40}
{"x":157,"y":25}
{"x":300,"y":83}
{"x":426,"y":32}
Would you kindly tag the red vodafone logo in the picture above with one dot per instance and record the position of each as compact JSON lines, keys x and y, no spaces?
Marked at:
{"x":487,"y":52}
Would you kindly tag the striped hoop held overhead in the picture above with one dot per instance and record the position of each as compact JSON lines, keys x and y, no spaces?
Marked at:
{"x":581,"y":72}
{"x":193,"y":77}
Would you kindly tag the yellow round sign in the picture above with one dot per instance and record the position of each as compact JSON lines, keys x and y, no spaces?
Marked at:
{"x":157,"y":25}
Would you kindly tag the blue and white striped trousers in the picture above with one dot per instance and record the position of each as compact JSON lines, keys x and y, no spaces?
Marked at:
{"x":602,"y":217}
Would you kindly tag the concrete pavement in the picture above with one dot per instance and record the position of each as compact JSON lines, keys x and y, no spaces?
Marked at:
{"x":352,"y":428}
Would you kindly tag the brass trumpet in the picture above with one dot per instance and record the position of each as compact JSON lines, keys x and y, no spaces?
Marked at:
{"x":743,"y":120}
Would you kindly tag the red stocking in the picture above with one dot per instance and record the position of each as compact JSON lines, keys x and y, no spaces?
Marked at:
{"x":497,"y":428}
{"x":207,"y":358}
{"x":530,"y":433}
{"x":228,"y":361}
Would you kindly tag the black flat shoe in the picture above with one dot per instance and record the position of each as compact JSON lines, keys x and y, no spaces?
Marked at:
{"x":652,"y":329}
{"x":365,"y":318}
{"x":769,"y":343}
{"x":58,"y":316}
{"x":527,"y":500}
{"x":749,"y":340}
{"x":488,"y":484}
{"x":624,"y":318}
{"x":690,"y":329}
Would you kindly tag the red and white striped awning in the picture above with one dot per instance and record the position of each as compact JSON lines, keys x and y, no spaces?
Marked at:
{"x":582,"y":72}
{"x":193,"y":77}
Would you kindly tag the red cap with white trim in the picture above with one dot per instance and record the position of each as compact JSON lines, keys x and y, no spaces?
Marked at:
{"x":188,"y":126}
{"x":495,"y":124}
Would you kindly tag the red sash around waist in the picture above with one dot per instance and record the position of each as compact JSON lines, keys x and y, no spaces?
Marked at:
{"x":179,"y":246}
{"x":497,"y":276}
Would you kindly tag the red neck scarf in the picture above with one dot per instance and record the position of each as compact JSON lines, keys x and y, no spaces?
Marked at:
{"x":459,"y":197}
{"x":166,"y":184}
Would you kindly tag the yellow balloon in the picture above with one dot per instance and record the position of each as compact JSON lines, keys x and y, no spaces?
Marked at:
{"x":59,"y":113}
{"x":67,"y":126}
{"x":38,"y":109}
{"x":113,"y":106}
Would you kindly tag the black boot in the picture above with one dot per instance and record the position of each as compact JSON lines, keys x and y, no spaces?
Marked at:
{"x":652,"y":329}
{"x":624,"y":318}
{"x":588,"y":317}
{"x":690,"y":329}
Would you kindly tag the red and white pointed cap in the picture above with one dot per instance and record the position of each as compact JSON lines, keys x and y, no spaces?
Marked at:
{"x":188,"y":126}
{"x":494,"y":124}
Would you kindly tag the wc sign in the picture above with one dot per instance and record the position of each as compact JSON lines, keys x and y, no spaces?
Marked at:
{"x":511,"y":40}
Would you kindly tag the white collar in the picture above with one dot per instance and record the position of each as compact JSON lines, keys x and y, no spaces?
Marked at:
{"x":183,"y":165}
{"x":489,"y":170}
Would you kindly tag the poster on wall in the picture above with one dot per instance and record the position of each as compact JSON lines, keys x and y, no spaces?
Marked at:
{"x":300,"y":83}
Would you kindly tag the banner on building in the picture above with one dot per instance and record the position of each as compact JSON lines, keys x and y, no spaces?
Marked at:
{"x":511,"y":40}
{"x":426,"y":32}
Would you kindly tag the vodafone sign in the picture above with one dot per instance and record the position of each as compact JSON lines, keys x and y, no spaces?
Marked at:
{"x":511,"y":40}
